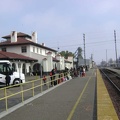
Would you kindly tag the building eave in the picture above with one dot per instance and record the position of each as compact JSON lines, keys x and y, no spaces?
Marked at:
{"x":26,"y":42}
{"x":14,"y":56}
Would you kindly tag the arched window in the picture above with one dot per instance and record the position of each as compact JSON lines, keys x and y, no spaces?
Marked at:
{"x":14,"y":67}
{"x":24,"y":68}
{"x":37,"y":69}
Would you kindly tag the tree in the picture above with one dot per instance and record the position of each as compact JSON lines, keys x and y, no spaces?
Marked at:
{"x":103,"y":63}
{"x":110,"y":61}
{"x":78,"y":53}
{"x":66,"y":54}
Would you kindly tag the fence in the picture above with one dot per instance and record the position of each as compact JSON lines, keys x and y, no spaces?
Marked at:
{"x":15,"y":94}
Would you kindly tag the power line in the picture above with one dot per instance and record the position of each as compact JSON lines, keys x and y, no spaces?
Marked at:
{"x":115,"y":46}
{"x":86,"y":44}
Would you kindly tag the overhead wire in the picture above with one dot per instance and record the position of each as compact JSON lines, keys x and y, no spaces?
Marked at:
{"x":99,"y":42}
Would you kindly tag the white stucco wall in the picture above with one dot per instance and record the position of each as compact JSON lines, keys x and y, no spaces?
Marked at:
{"x":17,"y":49}
{"x":70,"y":58}
{"x":62,"y":63}
{"x":27,"y":67}
{"x":68,"y":65}
{"x":45,"y":65}
{"x":40,"y":54}
{"x":58,"y":57}
{"x":50,"y":62}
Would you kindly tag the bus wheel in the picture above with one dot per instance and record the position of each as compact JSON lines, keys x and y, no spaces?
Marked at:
{"x":16,"y":81}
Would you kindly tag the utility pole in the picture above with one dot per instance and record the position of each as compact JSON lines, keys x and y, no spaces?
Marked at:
{"x":92,"y":60}
{"x":115,"y":47}
{"x":84,"y":50}
{"x":58,"y":47}
{"x":106,"y":57}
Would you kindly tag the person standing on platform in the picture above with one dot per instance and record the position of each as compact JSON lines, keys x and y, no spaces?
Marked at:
{"x":51,"y":77}
{"x":83,"y":71}
{"x":8,"y":78}
{"x":53,"y":73}
{"x":44,"y":79}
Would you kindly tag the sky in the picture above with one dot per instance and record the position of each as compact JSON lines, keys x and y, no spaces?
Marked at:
{"x":62,"y":23}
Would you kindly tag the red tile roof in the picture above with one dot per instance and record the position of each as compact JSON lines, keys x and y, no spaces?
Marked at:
{"x":19,"y":34}
{"x":49,"y":53}
{"x":23,"y":41}
{"x":44,"y":58}
{"x":54,"y":59}
{"x":14,"y":56}
{"x":67,"y":61}
{"x":19,"y":41}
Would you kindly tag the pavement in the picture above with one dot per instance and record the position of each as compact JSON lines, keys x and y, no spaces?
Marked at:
{"x":72,"y":100}
{"x":29,"y":78}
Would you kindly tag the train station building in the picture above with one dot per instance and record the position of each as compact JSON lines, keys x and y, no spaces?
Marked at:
{"x":24,"y":50}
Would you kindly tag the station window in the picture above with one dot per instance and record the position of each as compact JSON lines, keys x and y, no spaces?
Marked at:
{"x":23,"y":49}
{"x":37,"y":50}
{"x":3,"y":49}
{"x":34,"y":49}
{"x":40,"y":51}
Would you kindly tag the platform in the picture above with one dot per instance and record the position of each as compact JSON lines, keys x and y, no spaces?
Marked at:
{"x":105,"y":108}
{"x":72,"y":100}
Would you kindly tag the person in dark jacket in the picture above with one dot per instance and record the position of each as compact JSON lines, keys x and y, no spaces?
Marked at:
{"x":44,"y":79}
{"x":51,"y":77}
{"x":8,"y":78}
{"x":53,"y":73}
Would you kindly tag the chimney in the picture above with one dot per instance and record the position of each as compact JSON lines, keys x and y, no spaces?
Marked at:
{"x":43,"y":44}
{"x":34,"y":37}
{"x":13,"y":36}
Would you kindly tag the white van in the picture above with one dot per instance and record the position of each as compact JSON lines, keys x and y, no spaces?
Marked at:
{"x":6,"y":68}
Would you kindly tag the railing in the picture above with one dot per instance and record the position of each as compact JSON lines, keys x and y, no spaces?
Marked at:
{"x":15,"y":94}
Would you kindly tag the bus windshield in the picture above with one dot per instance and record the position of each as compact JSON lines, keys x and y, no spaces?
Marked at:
{"x":5,"y":68}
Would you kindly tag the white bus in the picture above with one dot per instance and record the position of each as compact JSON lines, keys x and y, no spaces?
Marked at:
{"x":6,"y":68}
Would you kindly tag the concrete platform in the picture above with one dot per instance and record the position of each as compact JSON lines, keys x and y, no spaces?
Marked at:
{"x":73,"y":100}
{"x":115,"y":70}
{"x":82,"y":98}
{"x":105,"y":108}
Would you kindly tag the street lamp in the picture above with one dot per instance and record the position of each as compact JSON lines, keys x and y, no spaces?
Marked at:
{"x":19,"y":66}
{"x":40,"y":70}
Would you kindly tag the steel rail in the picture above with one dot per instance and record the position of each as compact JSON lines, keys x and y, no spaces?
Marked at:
{"x":110,"y":80}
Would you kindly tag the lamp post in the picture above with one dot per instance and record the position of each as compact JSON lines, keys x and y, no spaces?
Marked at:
{"x":19,"y":66}
{"x":40,"y":70}
{"x":106,"y":59}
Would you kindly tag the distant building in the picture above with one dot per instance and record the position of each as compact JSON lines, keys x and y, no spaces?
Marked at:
{"x":85,"y":62}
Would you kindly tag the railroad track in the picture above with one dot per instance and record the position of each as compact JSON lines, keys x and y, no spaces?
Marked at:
{"x":112,"y":82}
{"x":113,"y":77}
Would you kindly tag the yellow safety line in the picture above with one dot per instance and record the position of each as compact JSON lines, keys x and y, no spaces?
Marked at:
{"x":105,"y":107}
{"x":78,"y":100}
